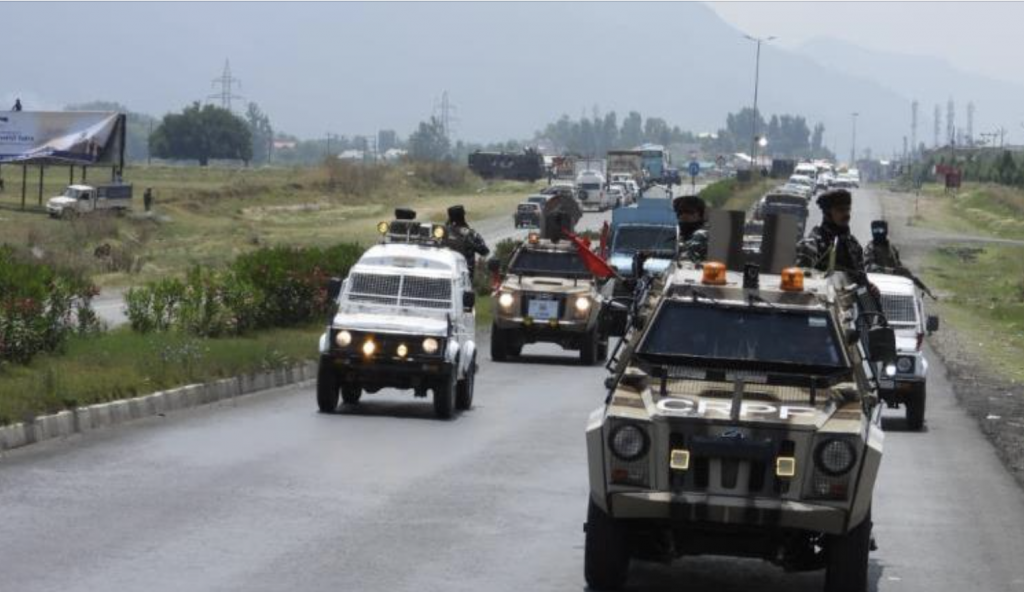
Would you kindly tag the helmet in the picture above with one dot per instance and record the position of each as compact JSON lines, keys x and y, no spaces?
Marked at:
{"x":879,"y":230}
{"x":689,"y":203}
{"x":405,"y":214}
{"x":457,"y":215}
{"x":833,"y":198}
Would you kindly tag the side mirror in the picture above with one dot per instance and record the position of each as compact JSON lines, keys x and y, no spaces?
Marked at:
{"x":932,"y":324}
{"x":494,"y":265}
{"x":333,"y":288}
{"x":468,"y":300}
{"x":882,"y":345}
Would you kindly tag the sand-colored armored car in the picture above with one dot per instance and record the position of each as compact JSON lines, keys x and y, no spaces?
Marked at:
{"x":742,"y":419}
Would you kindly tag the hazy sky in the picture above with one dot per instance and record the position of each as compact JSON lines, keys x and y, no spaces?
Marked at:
{"x":983,"y":37}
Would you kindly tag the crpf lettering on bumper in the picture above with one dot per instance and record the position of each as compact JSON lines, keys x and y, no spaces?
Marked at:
{"x":702,"y":508}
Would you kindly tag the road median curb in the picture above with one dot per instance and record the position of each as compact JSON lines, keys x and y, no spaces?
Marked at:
{"x":102,"y":415}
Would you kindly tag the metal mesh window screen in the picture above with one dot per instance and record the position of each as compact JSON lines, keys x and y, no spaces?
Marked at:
{"x":426,"y":292}
{"x":899,"y":308}
{"x":368,"y":287}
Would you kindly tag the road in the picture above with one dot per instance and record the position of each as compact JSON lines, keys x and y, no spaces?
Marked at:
{"x":265,"y":494}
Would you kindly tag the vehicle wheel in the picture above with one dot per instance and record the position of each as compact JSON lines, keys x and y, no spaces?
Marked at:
{"x":602,"y":350}
{"x":606,"y":552}
{"x":588,"y":349}
{"x":513,"y":347}
{"x":499,"y":344}
{"x":915,"y":407}
{"x":464,"y":394}
{"x":350,"y":394}
{"x":846,"y":559}
{"x":444,"y":395}
{"x":327,"y":387}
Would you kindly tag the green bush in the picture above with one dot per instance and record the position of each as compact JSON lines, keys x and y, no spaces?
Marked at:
{"x":271,"y":287}
{"x":40,"y":306}
{"x":719,"y":192}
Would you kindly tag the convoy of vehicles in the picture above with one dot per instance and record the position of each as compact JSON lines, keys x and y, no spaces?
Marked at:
{"x":406,"y":319}
{"x":86,"y":199}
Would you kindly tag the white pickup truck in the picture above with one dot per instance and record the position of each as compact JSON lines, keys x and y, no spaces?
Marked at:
{"x":83,"y":199}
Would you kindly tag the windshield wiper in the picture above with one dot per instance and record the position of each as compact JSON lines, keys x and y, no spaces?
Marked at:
{"x":752,"y":298}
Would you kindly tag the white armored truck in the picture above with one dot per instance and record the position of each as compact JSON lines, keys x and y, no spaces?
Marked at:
{"x":406,"y":319}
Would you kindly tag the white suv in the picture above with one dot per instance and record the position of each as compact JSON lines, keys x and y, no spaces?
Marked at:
{"x":904,"y":308}
{"x":405,"y":320}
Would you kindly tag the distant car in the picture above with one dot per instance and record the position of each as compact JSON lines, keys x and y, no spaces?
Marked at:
{"x":528,"y":215}
{"x":629,"y":196}
{"x":616,"y":195}
{"x":844,"y":182}
{"x":802,"y":180}
{"x":801,"y":190}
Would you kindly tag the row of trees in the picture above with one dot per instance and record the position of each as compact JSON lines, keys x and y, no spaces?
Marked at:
{"x":986,"y":166}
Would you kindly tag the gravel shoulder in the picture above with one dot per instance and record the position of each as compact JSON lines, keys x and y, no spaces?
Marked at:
{"x":995,"y":401}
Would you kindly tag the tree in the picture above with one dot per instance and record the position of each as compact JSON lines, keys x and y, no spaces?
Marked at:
{"x":632,"y":134}
{"x":429,"y":141}
{"x":656,"y":131}
{"x":1006,"y":168}
{"x":386,"y":140}
{"x":262,"y":133}
{"x":818,"y":139}
{"x":201,"y":133}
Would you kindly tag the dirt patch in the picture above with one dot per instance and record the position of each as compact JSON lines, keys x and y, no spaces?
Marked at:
{"x":993,"y":400}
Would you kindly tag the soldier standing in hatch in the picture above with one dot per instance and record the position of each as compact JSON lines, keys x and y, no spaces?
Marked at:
{"x":833,"y":234}
{"x":693,"y":234}
{"x":464,"y":239}
{"x":881,"y":255}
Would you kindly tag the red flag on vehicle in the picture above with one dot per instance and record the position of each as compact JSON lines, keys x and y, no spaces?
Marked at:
{"x":594,"y":263}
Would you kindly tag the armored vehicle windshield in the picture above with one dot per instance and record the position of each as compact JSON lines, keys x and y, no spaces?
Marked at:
{"x":630,"y":239}
{"x":549,"y":263}
{"x":761,"y":338}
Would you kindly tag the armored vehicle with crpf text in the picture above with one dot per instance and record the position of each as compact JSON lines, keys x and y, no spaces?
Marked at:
{"x":742,"y":419}
{"x":406,"y":319}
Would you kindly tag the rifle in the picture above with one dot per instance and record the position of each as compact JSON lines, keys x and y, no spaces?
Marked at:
{"x":903,"y":271}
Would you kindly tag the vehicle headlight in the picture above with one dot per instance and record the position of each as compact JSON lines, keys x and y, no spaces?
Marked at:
{"x":582,"y":304}
{"x":369,"y":347}
{"x":505,"y":300}
{"x":343,"y":339}
{"x":835,"y":457}
{"x":905,"y":364}
{"x":430,"y":345}
{"x":402,"y":350}
{"x":628,"y":442}
{"x":890,"y":369}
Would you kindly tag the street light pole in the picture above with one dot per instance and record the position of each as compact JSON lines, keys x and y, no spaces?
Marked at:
{"x":853,"y":142}
{"x":757,"y":79}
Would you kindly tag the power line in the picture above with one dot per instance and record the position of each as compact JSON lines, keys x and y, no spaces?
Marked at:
{"x":227,"y":84}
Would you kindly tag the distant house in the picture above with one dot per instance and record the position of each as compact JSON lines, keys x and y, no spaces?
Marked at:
{"x":285,"y":144}
{"x":394,"y":154}
{"x":352,"y":155}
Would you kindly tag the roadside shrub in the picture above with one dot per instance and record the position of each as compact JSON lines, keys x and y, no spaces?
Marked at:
{"x":270,"y":287}
{"x":443,"y":175}
{"x":353,"y":178}
{"x":717,"y":193}
{"x":40,"y":306}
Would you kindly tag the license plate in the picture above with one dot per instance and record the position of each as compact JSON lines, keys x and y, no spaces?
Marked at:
{"x":886,"y":384}
{"x":543,"y":309}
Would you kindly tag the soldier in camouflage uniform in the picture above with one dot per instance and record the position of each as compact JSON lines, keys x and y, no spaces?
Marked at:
{"x":693,"y":235}
{"x":464,"y":239}
{"x":881,"y":255}
{"x":834,"y":232}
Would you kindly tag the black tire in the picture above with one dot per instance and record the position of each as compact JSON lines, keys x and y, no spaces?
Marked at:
{"x":606,"y":553}
{"x":327,"y":387}
{"x":915,"y":406}
{"x":499,"y":344}
{"x":846,"y":559}
{"x":588,"y":348}
{"x":464,"y":392}
{"x":444,"y":396}
{"x":350,"y":394}
{"x":602,"y":350}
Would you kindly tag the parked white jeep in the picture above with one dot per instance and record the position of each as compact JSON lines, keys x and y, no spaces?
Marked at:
{"x":904,"y":308}
{"x":83,"y":199}
{"x":405,"y":320}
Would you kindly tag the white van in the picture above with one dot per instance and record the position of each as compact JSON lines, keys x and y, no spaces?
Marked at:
{"x":591,"y":191}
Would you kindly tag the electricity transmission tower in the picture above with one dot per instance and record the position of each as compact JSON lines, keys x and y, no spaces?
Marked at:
{"x":970,"y":123}
{"x":938,"y":125}
{"x":913,"y":128}
{"x":951,"y":121}
{"x":227,"y":84}
{"x":444,"y":110}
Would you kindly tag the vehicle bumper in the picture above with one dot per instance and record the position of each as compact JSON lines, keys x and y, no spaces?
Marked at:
{"x":553,"y":328}
{"x":899,"y":388}
{"x":697,"y":508}
{"x":389,"y":372}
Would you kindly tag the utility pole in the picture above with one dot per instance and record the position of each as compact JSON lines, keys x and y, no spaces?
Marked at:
{"x":951,"y":121}
{"x":913,"y":128}
{"x":970,"y":123}
{"x":227,"y":84}
{"x":330,"y":136}
{"x":853,"y":141}
{"x":938,"y":125}
{"x":757,"y":80}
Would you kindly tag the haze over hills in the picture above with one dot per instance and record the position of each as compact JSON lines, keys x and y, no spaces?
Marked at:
{"x":509,"y":68}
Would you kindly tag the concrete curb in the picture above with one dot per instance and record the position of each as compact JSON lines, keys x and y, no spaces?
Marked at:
{"x":102,"y":415}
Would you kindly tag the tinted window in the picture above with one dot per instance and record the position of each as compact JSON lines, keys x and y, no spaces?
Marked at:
{"x":630,"y":239}
{"x":769,"y":337}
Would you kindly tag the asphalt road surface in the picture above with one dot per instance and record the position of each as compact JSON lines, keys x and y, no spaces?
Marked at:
{"x":265,"y":494}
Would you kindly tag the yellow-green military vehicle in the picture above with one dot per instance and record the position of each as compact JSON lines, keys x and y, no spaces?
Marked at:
{"x":742,"y":419}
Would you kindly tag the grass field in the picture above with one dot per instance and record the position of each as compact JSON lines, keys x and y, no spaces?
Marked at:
{"x":983,"y":209}
{"x":991,"y":318}
{"x":730,"y":194}
{"x":212,"y":215}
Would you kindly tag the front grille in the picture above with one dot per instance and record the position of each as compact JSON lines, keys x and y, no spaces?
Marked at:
{"x":899,"y":308}
{"x":696,"y":387}
{"x":399,"y":290}
{"x":725,"y":466}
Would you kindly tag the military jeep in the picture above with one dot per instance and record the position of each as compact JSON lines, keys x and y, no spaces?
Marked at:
{"x":548,"y":295}
{"x":742,"y":419}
